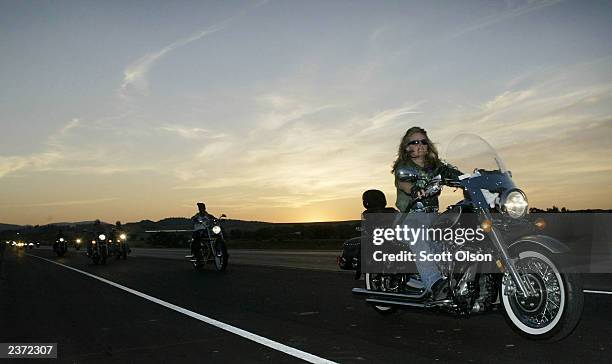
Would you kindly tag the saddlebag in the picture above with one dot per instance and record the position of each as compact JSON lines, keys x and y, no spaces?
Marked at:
{"x":351,"y":255}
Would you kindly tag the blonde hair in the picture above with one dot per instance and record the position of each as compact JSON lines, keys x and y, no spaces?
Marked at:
{"x":403,"y":157}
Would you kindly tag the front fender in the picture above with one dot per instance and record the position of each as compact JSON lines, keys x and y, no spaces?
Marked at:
{"x":549,"y":243}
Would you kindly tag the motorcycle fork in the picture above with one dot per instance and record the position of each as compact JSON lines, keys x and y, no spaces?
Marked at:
{"x":526,"y":289}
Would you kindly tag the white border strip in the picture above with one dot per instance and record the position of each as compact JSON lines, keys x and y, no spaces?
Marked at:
{"x":223,"y":326}
{"x":598,"y":292}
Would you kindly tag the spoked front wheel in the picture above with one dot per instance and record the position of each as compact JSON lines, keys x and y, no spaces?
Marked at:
{"x":554,"y":311}
{"x":220,"y":255}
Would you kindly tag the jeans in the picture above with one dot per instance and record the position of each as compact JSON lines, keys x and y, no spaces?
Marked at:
{"x":428,"y":270}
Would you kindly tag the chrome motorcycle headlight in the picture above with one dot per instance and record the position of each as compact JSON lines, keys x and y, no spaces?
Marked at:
{"x":102,"y":237}
{"x":515,"y":204}
{"x":122,"y":236}
{"x":216,"y":229}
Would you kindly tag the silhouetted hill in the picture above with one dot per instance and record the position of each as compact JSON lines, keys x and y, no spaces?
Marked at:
{"x":9,"y":227}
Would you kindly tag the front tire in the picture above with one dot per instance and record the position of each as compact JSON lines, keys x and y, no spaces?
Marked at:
{"x":220,"y":256}
{"x":554,"y":312}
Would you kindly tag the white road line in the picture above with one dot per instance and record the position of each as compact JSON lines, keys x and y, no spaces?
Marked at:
{"x":598,"y":292}
{"x":223,"y":326}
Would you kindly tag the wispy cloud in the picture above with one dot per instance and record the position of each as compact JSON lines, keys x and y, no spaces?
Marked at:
{"x":513,"y":9}
{"x":191,"y":133}
{"x":302,"y":163}
{"x":283,"y":110}
{"x":385,"y":117}
{"x":11,"y":164}
{"x":135,"y":75}
{"x":66,"y":203}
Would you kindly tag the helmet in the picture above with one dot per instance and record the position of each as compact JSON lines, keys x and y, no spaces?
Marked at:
{"x":374,"y":199}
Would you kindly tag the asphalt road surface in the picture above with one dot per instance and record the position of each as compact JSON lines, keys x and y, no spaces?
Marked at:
{"x":152,"y":309}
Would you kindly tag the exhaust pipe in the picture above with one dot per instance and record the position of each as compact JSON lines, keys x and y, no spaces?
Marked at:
{"x":388,"y":295}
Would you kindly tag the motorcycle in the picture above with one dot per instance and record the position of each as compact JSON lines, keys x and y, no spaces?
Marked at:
{"x":530,"y":276}
{"x":209,"y":243}
{"x":118,"y":247}
{"x":77,"y":244}
{"x":97,"y":249}
{"x":60,"y":247}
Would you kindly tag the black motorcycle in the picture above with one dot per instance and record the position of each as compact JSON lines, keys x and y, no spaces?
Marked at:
{"x":529,"y":275}
{"x":77,"y":244}
{"x":119,"y":247}
{"x":208,"y":244}
{"x":98,"y":250}
{"x":60,"y":247}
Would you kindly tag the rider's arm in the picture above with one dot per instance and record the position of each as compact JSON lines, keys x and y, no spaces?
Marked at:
{"x":409,"y":188}
{"x":449,"y":173}
{"x":406,"y":178}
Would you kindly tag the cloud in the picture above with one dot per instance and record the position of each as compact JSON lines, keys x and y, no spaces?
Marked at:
{"x":300,"y":162}
{"x":11,"y":164}
{"x":65,"y":203}
{"x":513,"y":9}
{"x":554,"y":135}
{"x":135,"y":75}
{"x":191,"y":133}
{"x":382,"y":119}
{"x":282,"y":110}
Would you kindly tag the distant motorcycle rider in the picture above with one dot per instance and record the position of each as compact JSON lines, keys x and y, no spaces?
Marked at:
{"x":201,"y":221}
{"x":119,"y":236}
{"x":60,"y":235}
{"x":97,"y":230}
{"x":59,"y":239}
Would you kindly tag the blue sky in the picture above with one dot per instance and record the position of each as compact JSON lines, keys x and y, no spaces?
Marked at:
{"x":288,"y":110}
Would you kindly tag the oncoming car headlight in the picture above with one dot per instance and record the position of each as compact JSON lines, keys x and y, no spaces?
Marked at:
{"x":102,"y":237}
{"x":216,"y":229}
{"x":515,"y":204}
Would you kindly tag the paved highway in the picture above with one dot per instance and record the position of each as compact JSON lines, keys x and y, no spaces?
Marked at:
{"x":152,"y":309}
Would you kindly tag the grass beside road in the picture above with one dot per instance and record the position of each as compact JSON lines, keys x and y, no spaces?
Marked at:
{"x":311,"y":244}
{"x":319,"y":244}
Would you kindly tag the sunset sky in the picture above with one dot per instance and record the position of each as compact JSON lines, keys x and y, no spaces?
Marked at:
{"x":286,"y":111}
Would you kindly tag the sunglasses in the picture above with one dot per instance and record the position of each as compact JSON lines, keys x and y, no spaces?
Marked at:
{"x":417,"y":142}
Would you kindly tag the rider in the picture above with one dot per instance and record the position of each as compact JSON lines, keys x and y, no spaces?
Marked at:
{"x":201,"y":221}
{"x":97,"y":230}
{"x":416,"y":165}
{"x":60,"y":235}
{"x":116,"y":233}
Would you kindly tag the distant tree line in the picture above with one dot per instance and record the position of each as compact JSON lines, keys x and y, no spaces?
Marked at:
{"x":298,"y":232}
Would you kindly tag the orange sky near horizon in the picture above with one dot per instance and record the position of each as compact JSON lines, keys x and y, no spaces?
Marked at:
{"x":287,"y":111}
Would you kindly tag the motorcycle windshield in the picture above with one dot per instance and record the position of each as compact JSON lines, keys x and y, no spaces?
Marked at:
{"x":469,"y":153}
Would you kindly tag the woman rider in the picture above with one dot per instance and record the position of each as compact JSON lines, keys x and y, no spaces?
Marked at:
{"x":416,"y":164}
